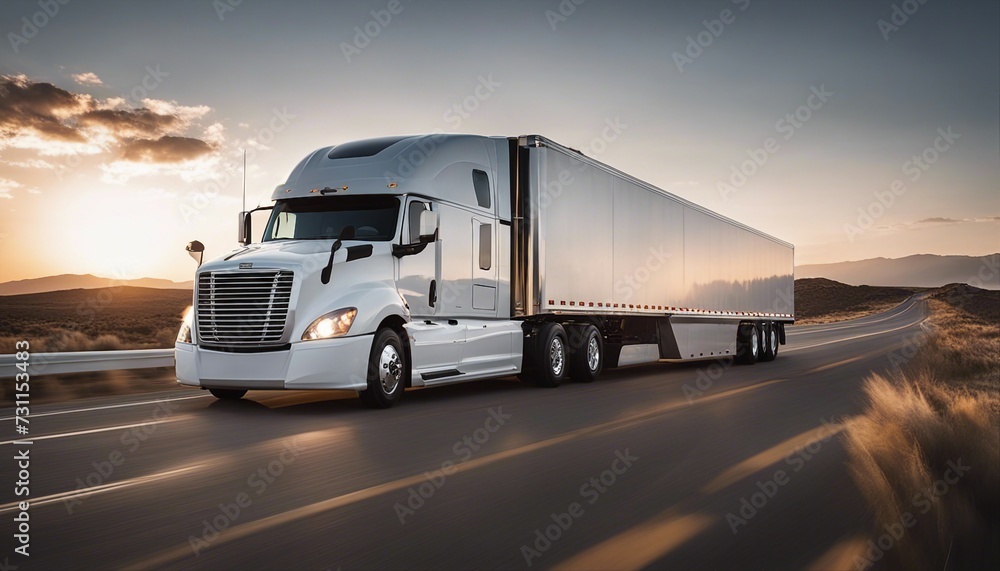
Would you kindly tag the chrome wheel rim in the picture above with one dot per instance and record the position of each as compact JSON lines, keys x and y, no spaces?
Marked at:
{"x":389,"y":369}
{"x":754,"y":340}
{"x":774,"y":341}
{"x":557,"y":356}
{"x":593,"y":354}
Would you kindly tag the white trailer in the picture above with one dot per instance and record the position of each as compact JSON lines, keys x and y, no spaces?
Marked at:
{"x":426,"y":260}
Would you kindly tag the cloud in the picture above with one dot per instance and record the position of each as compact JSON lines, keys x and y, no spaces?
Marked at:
{"x":129,"y":122}
{"x":166,"y":149}
{"x":939,"y":220}
{"x":88,"y":78}
{"x":53,"y":121}
{"x":6,"y":186}
{"x":41,"y":110}
{"x":31,"y":164}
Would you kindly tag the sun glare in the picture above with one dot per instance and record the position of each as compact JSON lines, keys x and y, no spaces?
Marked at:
{"x":116,"y":233}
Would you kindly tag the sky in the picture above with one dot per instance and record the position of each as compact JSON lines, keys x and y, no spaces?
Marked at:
{"x":851,"y":129}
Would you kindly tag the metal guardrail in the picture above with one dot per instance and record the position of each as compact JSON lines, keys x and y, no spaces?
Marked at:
{"x":86,"y":361}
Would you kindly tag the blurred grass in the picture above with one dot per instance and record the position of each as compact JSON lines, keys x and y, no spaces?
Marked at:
{"x":941,"y":406}
{"x":75,"y":386}
{"x":114,"y":318}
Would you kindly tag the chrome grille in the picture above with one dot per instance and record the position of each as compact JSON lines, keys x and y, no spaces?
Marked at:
{"x":244,"y":308}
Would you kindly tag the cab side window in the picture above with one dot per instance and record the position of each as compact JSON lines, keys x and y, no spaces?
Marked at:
{"x":413,"y":213}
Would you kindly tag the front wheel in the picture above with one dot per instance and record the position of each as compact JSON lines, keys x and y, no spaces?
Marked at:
{"x":386,"y":371}
{"x":228,"y":394}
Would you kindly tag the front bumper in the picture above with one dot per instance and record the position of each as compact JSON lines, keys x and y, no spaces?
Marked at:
{"x":340,"y":363}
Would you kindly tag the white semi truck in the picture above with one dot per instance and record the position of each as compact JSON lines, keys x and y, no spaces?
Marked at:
{"x":427,"y":260}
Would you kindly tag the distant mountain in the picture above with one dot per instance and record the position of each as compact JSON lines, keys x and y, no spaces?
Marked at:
{"x":83,"y":281}
{"x":922,"y":270}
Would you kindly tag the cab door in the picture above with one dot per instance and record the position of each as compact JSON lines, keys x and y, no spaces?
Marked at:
{"x":436,"y":342}
{"x":417,"y":281}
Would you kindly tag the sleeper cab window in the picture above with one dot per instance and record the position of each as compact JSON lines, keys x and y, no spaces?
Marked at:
{"x":481,"y":182}
{"x":485,"y":246}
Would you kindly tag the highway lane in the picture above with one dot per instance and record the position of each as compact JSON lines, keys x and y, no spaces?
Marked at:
{"x":326,"y":484}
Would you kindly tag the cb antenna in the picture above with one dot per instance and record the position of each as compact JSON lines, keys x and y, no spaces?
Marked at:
{"x":244,"y":180}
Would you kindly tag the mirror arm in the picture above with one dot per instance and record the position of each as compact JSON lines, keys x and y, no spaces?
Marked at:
{"x":400,"y":250}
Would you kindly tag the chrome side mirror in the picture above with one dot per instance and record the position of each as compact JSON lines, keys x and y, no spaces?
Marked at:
{"x":196,"y":250}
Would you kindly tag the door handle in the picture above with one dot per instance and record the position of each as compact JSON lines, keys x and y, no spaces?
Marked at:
{"x":432,"y":294}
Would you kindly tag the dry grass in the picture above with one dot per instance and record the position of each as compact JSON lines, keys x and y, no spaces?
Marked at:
{"x":941,"y":407}
{"x":93,"y":319}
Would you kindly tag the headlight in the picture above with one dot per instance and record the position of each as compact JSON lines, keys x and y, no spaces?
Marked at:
{"x":333,"y":324}
{"x":184,"y":335}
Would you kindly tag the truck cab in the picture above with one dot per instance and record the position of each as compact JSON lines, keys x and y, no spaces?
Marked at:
{"x":382,"y":265}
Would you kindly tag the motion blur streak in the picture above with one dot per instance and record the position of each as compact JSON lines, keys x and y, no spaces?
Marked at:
{"x":770,"y":456}
{"x":103,"y":488}
{"x":96,"y":430}
{"x":641,"y":545}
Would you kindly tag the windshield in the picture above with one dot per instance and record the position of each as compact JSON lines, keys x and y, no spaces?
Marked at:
{"x":373,"y":217}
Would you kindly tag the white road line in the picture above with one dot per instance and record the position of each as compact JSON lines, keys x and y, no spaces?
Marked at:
{"x":848,"y":325}
{"x":93,"y":430}
{"x":84,"y":492}
{"x":850,"y":338}
{"x":70,"y":411}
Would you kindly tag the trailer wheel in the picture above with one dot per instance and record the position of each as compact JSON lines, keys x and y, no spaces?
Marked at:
{"x":549,"y":366}
{"x":386,"y":371}
{"x":747,"y":344}
{"x":228,"y":394}
{"x":770,"y":341}
{"x":586,"y":354}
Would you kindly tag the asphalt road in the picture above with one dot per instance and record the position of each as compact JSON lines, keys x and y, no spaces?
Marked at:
{"x":646,"y":468}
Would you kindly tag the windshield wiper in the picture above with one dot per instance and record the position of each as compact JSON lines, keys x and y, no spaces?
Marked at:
{"x":347,"y":233}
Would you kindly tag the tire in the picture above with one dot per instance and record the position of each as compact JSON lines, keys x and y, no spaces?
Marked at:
{"x":386,"y":371}
{"x":747,"y":344}
{"x":228,"y":394}
{"x":770,"y":341}
{"x":549,"y":358}
{"x":586,"y":353}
